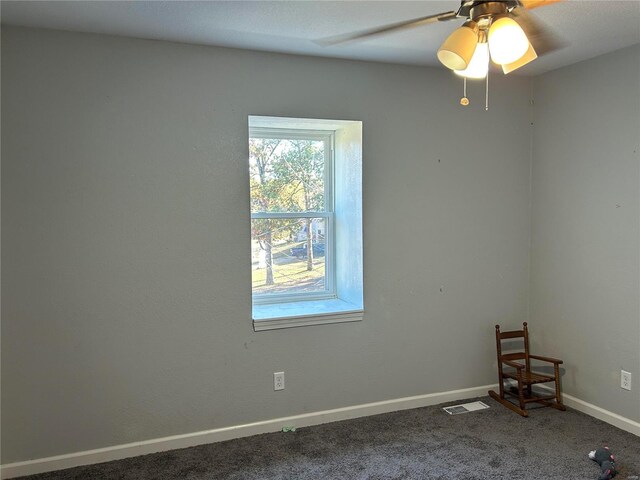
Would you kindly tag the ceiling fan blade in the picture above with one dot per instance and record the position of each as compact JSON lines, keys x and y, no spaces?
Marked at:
{"x":543,"y":39}
{"x":416,"y":22}
{"x":531,"y":4}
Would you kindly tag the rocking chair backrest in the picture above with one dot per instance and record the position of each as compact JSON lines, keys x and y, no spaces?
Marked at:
{"x":524,"y":334}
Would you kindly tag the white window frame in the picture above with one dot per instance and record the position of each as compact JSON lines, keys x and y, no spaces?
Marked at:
{"x":342,"y":301}
{"x":328,"y":214}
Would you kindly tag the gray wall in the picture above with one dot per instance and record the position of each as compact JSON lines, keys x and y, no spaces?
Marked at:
{"x":585,"y":236}
{"x":125,"y":228}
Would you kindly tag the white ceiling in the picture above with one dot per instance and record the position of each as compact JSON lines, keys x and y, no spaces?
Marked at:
{"x":590,"y":28}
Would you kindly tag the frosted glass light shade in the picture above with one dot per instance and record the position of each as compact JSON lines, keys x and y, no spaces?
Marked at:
{"x":507,"y":41}
{"x":457,"y":50}
{"x":479,"y":64}
{"x":529,"y":56}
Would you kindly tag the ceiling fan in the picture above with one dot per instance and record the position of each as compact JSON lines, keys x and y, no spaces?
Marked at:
{"x":502,"y":31}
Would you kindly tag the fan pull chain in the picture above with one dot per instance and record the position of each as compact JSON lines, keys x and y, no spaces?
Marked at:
{"x":486,"y":94}
{"x":464,"y":101}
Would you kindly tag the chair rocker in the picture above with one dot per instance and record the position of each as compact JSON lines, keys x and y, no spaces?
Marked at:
{"x":509,"y":369}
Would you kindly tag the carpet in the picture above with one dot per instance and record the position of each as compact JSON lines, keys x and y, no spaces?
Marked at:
{"x":423,"y":443}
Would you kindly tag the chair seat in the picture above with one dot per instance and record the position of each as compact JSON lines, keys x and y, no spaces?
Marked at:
{"x":529,"y":378}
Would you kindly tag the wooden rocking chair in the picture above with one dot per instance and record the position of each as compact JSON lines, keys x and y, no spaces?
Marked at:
{"x":523,"y":376}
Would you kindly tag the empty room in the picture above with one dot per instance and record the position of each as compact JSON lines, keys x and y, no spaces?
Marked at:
{"x":257,"y":240}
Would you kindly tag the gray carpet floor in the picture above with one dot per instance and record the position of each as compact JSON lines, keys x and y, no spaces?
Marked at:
{"x":424,"y":443}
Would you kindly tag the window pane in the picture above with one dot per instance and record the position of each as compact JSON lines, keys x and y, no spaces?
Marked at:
{"x":286,"y":258}
{"x":287,"y":175}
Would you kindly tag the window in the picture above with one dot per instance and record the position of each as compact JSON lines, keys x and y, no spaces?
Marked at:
{"x":306,"y":234}
{"x":291,"y":214}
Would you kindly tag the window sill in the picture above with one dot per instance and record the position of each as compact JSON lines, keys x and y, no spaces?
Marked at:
{"x":299,"y":314}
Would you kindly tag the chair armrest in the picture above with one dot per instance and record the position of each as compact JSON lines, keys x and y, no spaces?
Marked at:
{"x":545,"y":359}
{"x":515,"y":365}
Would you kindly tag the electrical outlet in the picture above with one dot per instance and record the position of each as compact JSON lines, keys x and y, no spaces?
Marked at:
{"x":278,"y":381}
{"x":625,"y":380}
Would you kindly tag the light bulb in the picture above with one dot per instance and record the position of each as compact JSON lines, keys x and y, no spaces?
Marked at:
{"x":479,"y":64}
{"x":507,"y":41}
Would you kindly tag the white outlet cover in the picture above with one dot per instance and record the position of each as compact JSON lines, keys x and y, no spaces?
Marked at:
{"x":278,"y":381}
{"x":625,"y":380}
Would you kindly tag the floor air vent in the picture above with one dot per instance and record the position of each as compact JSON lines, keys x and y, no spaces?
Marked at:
{"x":465,"y":408}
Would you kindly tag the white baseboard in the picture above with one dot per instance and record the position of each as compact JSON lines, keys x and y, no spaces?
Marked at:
{"x":118,"y":452}
{"x":592,"y":410}
{"x":611,"y":418}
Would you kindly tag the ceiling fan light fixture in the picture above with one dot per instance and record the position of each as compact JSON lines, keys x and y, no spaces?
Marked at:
{"x":458,"y":49}
{"x":507,"y":41}
{"x":529,"y":56}
{"x":479,"y":64}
